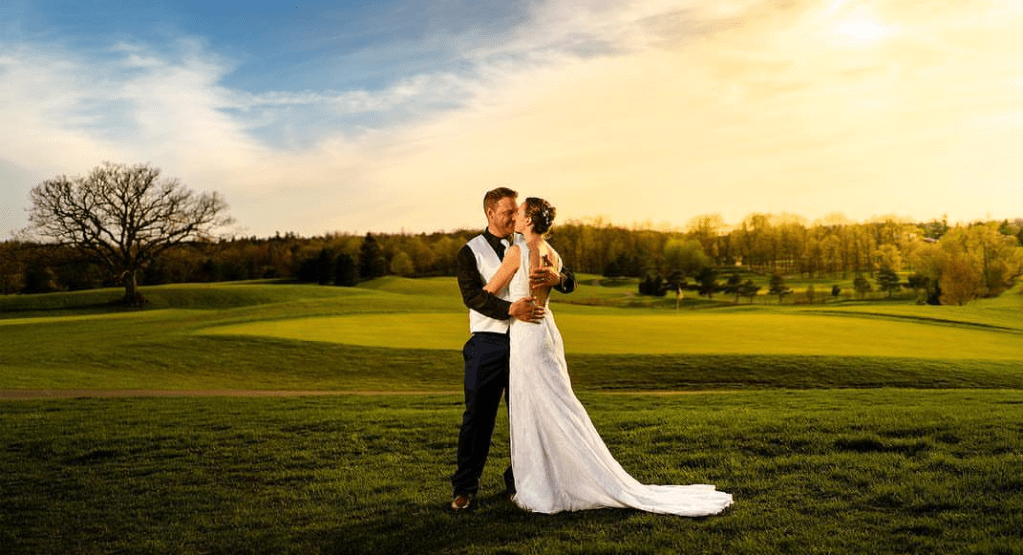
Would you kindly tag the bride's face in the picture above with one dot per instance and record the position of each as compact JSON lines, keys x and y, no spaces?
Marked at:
{"x":522,"y":223}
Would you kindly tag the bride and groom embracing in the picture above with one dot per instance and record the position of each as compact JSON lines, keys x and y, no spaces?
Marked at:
{"x":558,"y":460}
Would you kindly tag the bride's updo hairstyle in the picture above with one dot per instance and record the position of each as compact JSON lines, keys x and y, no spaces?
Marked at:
{"x":542,"y":214}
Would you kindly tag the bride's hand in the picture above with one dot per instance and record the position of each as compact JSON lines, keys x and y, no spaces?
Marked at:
{"x":544,"y":277}
{"x":525,"y":309}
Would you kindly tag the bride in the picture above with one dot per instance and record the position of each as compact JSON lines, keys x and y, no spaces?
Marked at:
{"x":559,"y":461}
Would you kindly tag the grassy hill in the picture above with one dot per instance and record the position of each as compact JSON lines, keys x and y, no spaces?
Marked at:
{"x":921,"y":457}
{"x":406,"y":334}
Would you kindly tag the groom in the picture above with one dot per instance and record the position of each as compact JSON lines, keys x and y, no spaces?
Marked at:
{"x":487,"y":350}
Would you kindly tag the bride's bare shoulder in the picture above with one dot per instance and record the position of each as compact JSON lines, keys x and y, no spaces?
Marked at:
{"x":550,"y":253}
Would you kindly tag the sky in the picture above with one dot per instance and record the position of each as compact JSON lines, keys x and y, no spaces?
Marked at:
{"x":315,"y":117}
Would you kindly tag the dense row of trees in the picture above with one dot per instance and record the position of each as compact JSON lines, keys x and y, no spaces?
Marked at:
{"x":965,"y":262}
{"x":948,"y":264}
{"x":344,"y":259}
{"x":768,"y":244}
{"x":123,"y":224}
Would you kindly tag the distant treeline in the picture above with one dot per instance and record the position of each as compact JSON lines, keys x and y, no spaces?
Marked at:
{"x":989,"y":252}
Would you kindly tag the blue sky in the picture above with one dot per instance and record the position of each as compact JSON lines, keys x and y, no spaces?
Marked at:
{"x":276,"y":49}
{"x":317,"y":116}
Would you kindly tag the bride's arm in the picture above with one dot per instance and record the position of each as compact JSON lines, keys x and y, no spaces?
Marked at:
{"x":504,"y":274}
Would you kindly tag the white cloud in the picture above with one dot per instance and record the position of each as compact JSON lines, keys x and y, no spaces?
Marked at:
{"x":656,"y":110}
{"x":416,"y":90}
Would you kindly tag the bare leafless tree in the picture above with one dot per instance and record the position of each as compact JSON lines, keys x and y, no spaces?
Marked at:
{"x":123,"y":217}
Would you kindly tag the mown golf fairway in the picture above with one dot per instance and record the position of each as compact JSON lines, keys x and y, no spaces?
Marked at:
{"x":699,"y":333}
{"x":876,"y":427}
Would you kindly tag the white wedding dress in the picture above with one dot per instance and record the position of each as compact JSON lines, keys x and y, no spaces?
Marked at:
{"x":559,"y":461}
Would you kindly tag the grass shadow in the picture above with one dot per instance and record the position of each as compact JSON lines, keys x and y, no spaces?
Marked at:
{"x":492,"y":527}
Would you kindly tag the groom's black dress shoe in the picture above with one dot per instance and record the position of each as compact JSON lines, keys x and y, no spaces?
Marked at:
{"x":461,"y":502}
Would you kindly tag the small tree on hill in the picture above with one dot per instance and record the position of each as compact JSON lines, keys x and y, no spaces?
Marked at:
{"x":653,"y":284}
{"x":123,"y":217}
{"x":733,"y":284}
{"x":612,"y":269}
{"x":749,"y":289}
{"x":961,"y":282}
{"x":676,"y":281}
{"x":778,"y":287}
{"x":888,"y":280}
{"x":707,"y":279}
{"x":862,"y":286}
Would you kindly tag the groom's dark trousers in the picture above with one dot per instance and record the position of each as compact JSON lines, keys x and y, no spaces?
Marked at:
{"x":486,"y":380}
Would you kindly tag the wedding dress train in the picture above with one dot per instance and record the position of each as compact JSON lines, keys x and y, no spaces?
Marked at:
{"x":559,"y":461}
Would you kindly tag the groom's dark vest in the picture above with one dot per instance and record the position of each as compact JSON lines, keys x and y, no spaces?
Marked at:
{"x":487,"y":263}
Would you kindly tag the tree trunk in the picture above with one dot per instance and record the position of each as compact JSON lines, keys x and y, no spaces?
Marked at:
{"x":132,"y":297}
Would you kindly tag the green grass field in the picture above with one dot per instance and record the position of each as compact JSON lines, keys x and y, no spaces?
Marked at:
{"x":850,"y":427}
{"x":406,"y":334}
{"x":876,"y":471}
{"x":626,"y":332}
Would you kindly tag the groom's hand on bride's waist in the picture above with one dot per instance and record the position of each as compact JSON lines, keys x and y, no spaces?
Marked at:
{"x":525,"y":309}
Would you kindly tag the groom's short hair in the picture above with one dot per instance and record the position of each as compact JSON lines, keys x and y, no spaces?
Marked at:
{"x":493,"y":196}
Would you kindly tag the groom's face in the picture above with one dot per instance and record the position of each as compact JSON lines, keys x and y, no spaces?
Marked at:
{"x":501,"y":218}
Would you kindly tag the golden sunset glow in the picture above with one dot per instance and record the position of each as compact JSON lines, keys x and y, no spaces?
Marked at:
{"x":862,"y":30}
{"x":651,"y":111}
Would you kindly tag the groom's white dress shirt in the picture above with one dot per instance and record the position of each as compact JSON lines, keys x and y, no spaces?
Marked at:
{"x":487,"y":262}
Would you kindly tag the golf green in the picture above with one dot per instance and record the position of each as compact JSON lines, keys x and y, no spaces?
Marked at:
{"x":766,"y":333}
